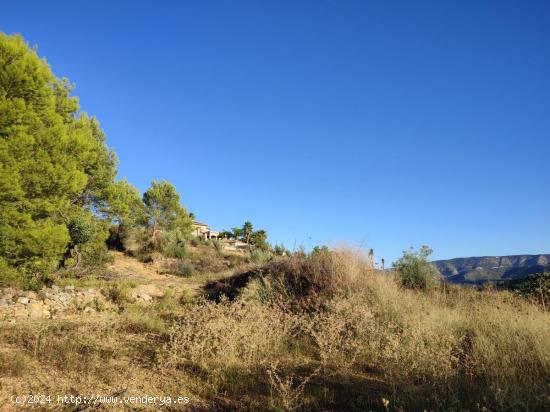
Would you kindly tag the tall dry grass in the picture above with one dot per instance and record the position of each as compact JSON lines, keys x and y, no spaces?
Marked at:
{"x":448,"y":348}
{"x":324,"y":332}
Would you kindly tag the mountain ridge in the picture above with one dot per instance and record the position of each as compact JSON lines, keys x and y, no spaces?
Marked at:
{"x":482,"y":269}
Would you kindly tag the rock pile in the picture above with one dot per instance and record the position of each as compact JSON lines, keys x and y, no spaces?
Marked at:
{"x":44,"y":304}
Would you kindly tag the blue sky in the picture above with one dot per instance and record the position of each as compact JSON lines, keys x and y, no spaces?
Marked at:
{"x":382,"y":124}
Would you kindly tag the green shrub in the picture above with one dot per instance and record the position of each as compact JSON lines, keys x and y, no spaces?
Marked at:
{"x":119,"y":293}
{"x":185,"y":269}
{"x":197,"y":241}
{"x":414,"y":271}
{"x":259,"y":256}
{"x":176,"y":251}
{"x":218,"y":246}
{"x":9,"y":276}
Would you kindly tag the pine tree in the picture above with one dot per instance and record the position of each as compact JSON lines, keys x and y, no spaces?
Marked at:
{"x":54,"y":162}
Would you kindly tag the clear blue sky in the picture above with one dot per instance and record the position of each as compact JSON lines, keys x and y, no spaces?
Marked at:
{"x":383,"y":124}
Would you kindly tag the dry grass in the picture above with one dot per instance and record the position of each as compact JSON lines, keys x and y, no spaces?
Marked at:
{"x":319,"y":333}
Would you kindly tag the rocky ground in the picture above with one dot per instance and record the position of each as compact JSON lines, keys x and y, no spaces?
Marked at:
{"x":144,"y":282}
{"x":51,"y":303}
{"x":17,"y":305}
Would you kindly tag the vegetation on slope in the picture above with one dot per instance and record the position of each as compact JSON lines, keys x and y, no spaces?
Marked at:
{"x":322,"y":332}
{"x":60,"y":206}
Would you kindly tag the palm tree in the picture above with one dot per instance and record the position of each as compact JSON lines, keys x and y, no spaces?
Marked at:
{"x":247,"y":231}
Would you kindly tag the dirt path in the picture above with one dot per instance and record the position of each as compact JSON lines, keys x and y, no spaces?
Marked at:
{"x":126,"y":267}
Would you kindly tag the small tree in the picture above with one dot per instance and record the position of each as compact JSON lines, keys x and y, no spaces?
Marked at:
{"x":125,"y":212}
{"x":414,"y":269}
{"x":247,"y":231}
{"x":225,"y":234}
{"x":164,"y":213}
{"x":236,"y":232}
{"x":259,"y":240}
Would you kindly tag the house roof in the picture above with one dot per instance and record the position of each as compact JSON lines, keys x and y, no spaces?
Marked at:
{"x":197,"y":223}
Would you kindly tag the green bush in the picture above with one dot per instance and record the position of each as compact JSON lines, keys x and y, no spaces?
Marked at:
{"x":88,"y":247}
{"x":119,"y":293}
{"x":414,"y":271}
{"x":218,"y":246}
{"x":8,"y":275}
{"x":185,"y":269}
{"x":175,"y":250}
{"x":197,"y":241}
{"x":259,"y":256}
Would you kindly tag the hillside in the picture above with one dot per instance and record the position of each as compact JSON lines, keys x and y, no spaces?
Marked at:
{"x":296,"y":333}
{"x":478,"y":270}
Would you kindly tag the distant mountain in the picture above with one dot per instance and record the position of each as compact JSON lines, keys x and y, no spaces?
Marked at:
{"x":478,"y":270}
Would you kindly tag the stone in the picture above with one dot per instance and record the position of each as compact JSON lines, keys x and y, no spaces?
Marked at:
{"x":88,"y":309}
{"x":31,"y":295}
{"x":23,"y":300}
{"x":49,"y":302}
{"x":62,"y":298}
{"x":36,"y":311}
{"x":55,"y":287}
{"x":152,"y":291}
{"x":20,"y":312}
{"x":69,"y":287}
{"x":3,"y":302}
{"x":145,"y":297}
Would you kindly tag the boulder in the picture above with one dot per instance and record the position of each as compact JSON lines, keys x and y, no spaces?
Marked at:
{"x":23,"y":300}
{"x":148,"y":291}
